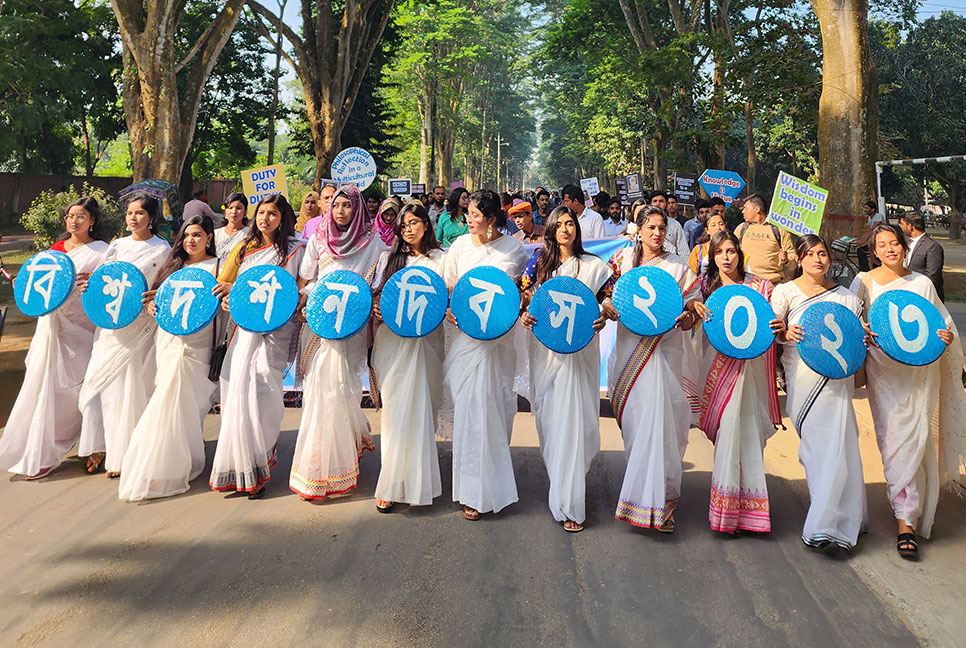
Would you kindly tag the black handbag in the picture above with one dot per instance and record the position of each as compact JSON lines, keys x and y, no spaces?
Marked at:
{"x":218,"y":350}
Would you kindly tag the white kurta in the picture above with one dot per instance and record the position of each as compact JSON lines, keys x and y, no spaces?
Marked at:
{"x":821,"y":411}
{"x":224,"y":243}
{"x":410,"y":378}
{"x":167,"y":448}
{"x":45,"y":420}
{"x":334,"y":430}
{"x":251,"y":391}
{"x":565,"y":398}
{"x":479,"y":377}
{"x":916,"y":409}
{"x":120,"y":376}
{"x":656,"y":412}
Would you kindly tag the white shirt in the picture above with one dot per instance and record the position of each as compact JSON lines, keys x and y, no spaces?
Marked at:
{"x":591,"y":225}
{"x":614,"y":229}
{"x":912,"y":246}
{"x":434,"y":213}
{"x":875,"y":218}
{"x":676,"y":241}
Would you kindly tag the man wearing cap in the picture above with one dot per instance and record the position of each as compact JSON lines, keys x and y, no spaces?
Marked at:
{"x":522,"y":215}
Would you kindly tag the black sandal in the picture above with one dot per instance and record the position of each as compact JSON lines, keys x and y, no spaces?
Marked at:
{"x":258,"y":494}
{"x":907,"y":546}
{"x":385,"y":509}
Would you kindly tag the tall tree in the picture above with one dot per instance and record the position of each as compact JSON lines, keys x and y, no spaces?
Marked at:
{"x":163,"y":85}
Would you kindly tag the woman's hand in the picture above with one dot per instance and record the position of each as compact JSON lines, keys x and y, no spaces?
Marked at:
{"x":685,"y":321}
{"x":376,"y":310}
{"x":80,"y":282}
{"x":148,"y":297}
{"x":451,"y":318}
{"x":152,"y":309}
{"x":527,"y":320}
{"x":526,"y":296}
{"x":221,"y":289}
{"x":599,"y":323}
{"x":777,"y":327}
{"x":300,"y":313}
{"x":869,"y":336}
{"x":795,"y":333}
{"x":699,"y":309}
{"x":946,"y":336}
{"x":607,"y":310}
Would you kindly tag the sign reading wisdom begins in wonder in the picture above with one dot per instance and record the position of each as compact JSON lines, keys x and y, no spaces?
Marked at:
{"x":797,"y":205}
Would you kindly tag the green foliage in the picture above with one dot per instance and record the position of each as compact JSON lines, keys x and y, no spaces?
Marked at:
{"x":45,"y":217}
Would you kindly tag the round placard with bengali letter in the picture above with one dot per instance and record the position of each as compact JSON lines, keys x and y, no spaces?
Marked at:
{"x":413,"y":302}
{"x":738,"y":327}
{"x":184,"y":303}
{"x":263,"y":298}
{"x":565,"y":310}
{"x":485,"y":303}
{"x":905,"y":325}
{"x":648,"y":300}
{"x":339,"y":306}
{"x":113,"y":296}
{"x":834,"y":344}
{"x":44,"y":283}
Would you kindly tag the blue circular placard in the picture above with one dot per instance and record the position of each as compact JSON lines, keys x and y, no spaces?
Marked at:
{"x":339,"y":306}
{"x":485,"y":303}
{"x":834,"y":344}
{"x":739,"y":322}
{"x":413,"y":302}
{"x":113,"y":296}
{"x":43,"y":283}
{"x":905,"y":325}
{"x":263,"y":298}
{"x":565,"y":310}
{"x":184,"y":303}
{"x":648,"y":300}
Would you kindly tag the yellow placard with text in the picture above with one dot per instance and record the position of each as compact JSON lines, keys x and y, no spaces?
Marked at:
{"x":262,"y":182}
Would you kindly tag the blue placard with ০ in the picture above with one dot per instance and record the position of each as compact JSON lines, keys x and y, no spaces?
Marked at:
{"x":413,"y":302}
{"x":905,"y":325}
{"x":834,"y":344}
{"x":339,"y":306}
{"x":648,"y":300}
{"x":485,"y":303}
{"x":43,"y":283}
{"x":263,"y":298}
{"x":184,"y":303}
{"x":738,"y":327}
{"x":565,"y":310}
{"x":113,"y":296}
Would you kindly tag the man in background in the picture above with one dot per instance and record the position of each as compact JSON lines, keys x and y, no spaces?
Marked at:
{"x":542,"y":210}
{"x":873,"y":218}
{"x":198,"y":205}
{"x":325,"y":199}
{"x":768,"y":249}
{"x":694,"y":228}
{"x":614,"y":224}
{"x":674,"y":210}
{"x":675,"y":241}
{"x":438,"y":204}
{"x":590,"y":222}
{"x":925,"y":255}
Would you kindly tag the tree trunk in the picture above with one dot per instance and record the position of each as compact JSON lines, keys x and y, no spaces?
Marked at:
{"x":444,"y":156}
{"x":848,"y":114}
{"x":427,"y":143}
{"x":659,"y":163}
{"x":750,"y":143}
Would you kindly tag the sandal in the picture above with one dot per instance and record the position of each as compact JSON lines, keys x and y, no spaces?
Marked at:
{"x":575,"y":527}
{"x":471,"y":513}
{"x":94,"y":462}
{"x":668,"y":525}
{"x":113,"y":475}
{"x":385,"y":509}
{"x":257,"y":494}
{"x":907,"y":546}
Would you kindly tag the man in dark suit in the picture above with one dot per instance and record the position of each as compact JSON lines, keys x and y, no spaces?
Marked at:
{"x":925,"y":255}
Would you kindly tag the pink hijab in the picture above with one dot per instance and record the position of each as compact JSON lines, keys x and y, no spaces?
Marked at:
{"x":385,"y":230}
{"x":341,"y":242}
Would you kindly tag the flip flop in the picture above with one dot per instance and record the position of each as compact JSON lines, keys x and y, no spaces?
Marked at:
{"x":94,"y":465}
{"x":574,"y":529}
{"x":907,"y":546}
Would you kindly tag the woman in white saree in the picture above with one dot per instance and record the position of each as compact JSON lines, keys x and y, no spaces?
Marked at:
{"x":479,"y":373}
{"x":120,"y":376}
{"x":645,"y":376}
{"x":167,"y":448}
{"x":236,"y":226}
{"x":251,"y":377}
{"x":334,"y":431}
{"x":918,"y":411}
{"x":45,"y":421}
{"x":410,"y":376}
{"x":821,"y":409}
{"x":563,"y":387}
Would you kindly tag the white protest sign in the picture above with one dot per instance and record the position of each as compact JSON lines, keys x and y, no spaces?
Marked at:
{"x":354,"y":165}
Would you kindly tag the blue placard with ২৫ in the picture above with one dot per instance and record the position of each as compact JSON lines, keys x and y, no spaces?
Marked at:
{"x":43,"y":283}
{"x":263,"y":298}
{"x":648,"y":300}
{"x":565,"y":310}
{"x":184,"y":303}
{"x":739,"y":325}
{"x":339,"y":306}
{"x":485,"y":303}
{"x":722,"y":184}
{"x":905,"y":325}
{"x":834,"y":344}
{"x":113,"y":296}
{"x":413,"y":302}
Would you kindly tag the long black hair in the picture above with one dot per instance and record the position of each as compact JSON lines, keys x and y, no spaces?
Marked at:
{"x":178,"y":255}
{"x":89,"y":204}
{"x":641,"y":211}
{"x":151,"y":205}
{"x":454,"y":204}
{"x":490,"y":204}
{"x":285,"y":231}
{"x":400,"y":250}
{"x":243,"y":199}
{"x":887,"y":227}
{"x":712,"y":275}
{"x":549,"y":259}
{"x":804,"y":244}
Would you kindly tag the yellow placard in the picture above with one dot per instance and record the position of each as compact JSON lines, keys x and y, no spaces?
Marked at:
{"x":261,"y":182}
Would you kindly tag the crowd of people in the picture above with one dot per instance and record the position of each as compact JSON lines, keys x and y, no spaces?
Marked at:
{"x":133,"y":400}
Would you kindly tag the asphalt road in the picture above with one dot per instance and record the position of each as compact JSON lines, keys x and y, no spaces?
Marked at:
{"x":79,"y":567}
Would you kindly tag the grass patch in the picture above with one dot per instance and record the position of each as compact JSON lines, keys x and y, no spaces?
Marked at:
{"x":954,"y":285}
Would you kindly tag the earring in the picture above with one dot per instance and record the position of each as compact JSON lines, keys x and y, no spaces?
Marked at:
{"x":489,"y":231}
{"x":405,"y":247}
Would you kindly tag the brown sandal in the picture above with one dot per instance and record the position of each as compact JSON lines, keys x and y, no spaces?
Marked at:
{"x":94,"y":462}
{"x":668,"y":525}
{"x":575,"y":527}
{"x":471,"y":513}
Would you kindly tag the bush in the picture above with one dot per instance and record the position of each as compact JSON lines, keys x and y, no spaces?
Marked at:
{"x":45,"y":217}
{"x":296,"y":191}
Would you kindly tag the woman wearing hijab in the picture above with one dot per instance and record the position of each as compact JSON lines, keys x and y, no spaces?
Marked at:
{"x":310,"y":209}
{"x":386,"y":219}
{"x":334,"y":431}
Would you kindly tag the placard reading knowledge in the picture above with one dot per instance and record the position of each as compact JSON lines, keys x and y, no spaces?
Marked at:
{"x":796,"y":205}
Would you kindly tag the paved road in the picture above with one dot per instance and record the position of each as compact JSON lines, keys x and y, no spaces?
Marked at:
{"x":79,"y":567}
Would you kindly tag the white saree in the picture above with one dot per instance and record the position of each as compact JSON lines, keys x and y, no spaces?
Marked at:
{"x":918,"y":414}
{"x":251,"y":391}
{"x":652,"y":406}
{"x":120,"y":376}
{"x":410,"y":381}
{"x":167,"y":448}
{"x":479,"y":376}
{"x":822,"y":413}
{"x":45,"y":420}
{"x":334,"y":431}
